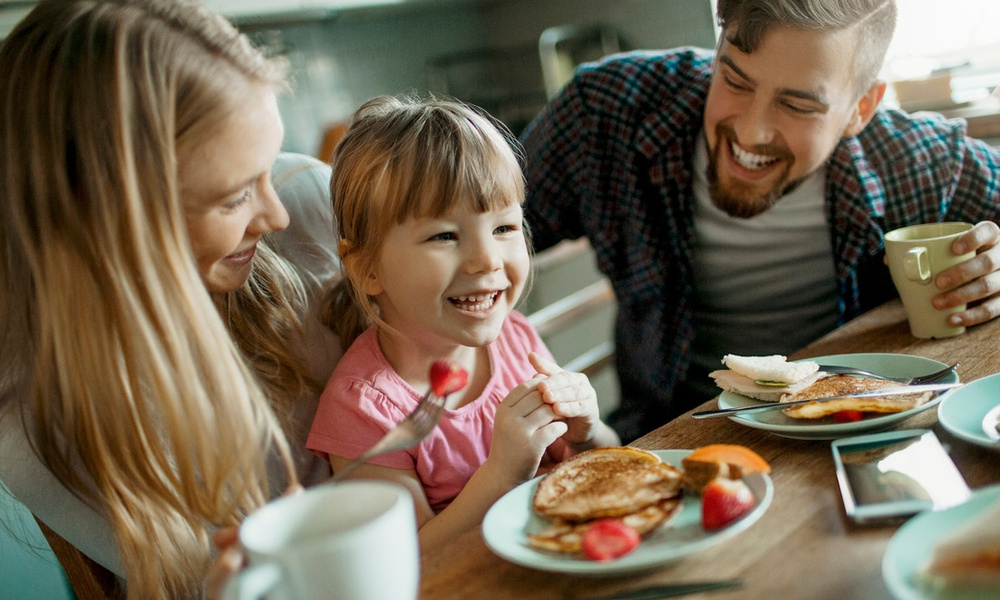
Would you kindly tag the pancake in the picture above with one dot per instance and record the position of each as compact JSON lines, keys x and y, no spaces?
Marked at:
{"x":605,"y":482}
{"x":844,"y":384}
{"x":566,"y":536}
{"x":622,"y":482}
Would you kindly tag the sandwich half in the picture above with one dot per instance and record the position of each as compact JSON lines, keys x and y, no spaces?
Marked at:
{"x":766,"y":378}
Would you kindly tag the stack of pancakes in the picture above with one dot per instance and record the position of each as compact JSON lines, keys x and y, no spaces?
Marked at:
{"x":622,"y":482}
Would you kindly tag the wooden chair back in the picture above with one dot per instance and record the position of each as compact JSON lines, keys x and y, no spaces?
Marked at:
{"x":571,"y":310}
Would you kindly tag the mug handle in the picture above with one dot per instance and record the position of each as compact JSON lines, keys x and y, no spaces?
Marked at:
{"x":253,"y":582}
{"x":916,"y":266}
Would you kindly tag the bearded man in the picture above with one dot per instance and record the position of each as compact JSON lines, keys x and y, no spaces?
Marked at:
{"x":737,"y":199}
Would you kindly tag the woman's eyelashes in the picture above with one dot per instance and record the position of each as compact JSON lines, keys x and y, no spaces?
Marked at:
{"x":239,"y":201}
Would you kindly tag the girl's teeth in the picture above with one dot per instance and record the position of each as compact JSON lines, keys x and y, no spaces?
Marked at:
{"x":474,"y":303}
{"x":750,"y":160}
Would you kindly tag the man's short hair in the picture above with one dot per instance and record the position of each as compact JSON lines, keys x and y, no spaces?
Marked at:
{"x":749,"y":20}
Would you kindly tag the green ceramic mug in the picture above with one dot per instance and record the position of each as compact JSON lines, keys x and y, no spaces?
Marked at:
{"x":916,"y":255}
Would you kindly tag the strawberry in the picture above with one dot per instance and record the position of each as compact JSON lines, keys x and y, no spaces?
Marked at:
{"x":723,"y":501}
{"x":608,"y":539}
{"x":447,"y":378}
{"x":847,"y":416}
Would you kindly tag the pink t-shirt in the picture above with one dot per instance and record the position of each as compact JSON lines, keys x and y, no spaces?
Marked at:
{"x":365,"y":398}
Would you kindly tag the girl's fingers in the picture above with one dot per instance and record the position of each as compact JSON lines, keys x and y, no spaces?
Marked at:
{"x":565,"y":390}
{"x":550,"y":433}
{"x":519,"y":400}
{"x":569,"y":409}
{"x":543,"y":365}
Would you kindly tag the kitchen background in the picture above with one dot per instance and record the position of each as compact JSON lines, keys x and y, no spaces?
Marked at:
{"x":483,"y":51}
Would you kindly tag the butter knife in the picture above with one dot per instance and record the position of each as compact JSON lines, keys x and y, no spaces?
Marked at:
{"x":669,"y":591}
{"x":898,"y":390}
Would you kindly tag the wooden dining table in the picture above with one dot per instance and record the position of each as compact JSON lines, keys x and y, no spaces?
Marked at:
{"x":803,"y":546}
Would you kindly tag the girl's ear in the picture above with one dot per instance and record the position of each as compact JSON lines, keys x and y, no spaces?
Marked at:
{"x":371,"y":285}
{"x":368,"y":282}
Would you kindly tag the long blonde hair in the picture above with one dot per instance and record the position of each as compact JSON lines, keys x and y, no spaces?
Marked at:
{"x":141,"y":393}
{"x":405,"y":157}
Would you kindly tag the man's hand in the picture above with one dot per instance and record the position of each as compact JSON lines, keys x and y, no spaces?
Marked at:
{"x":975,"y":282}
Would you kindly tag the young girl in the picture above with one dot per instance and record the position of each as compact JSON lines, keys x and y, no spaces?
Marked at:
{"x":428,"y":199}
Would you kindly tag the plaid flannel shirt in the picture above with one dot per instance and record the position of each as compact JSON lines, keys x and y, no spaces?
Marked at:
{"x":610,"y":158}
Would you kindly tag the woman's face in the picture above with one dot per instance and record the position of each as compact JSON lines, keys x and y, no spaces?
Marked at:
{"x":229,"y":203}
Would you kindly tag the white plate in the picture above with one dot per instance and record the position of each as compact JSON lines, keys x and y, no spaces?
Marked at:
{"x":892,"y":365}
{"x":912,"y":546}
{"x":510,"y":519}
{"x":963,"y":411}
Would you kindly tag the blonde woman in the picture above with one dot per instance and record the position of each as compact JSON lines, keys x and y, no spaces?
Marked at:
{"x":161,"y":355}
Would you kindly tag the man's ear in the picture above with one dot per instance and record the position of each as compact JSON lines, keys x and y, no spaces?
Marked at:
{"x":865,"y":109}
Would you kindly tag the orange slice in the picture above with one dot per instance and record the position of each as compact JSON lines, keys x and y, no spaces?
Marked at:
{"x":748,"y":460}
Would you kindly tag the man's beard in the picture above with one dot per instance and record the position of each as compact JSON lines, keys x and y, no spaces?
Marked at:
{"x":739,"y":199}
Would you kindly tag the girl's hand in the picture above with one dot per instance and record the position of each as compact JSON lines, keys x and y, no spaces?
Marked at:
{"x":231,"y":558}
{"x":524,"y":427}
{"x":573,"y":398}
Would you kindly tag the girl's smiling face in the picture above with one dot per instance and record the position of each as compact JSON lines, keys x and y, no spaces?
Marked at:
{"x":452,"y":280}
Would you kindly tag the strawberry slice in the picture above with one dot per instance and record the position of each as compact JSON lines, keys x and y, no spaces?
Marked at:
{"x":447,"y":378}
{"x":608,"y":539}
{"x":723,"y":501}
{"x":848,"y":416}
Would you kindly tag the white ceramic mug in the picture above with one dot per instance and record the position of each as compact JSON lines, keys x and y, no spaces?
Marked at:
{"x":355,"y":540}
{"x":916,"y":255}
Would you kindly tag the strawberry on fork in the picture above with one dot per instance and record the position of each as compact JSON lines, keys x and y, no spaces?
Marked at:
{"x":446,"y":378}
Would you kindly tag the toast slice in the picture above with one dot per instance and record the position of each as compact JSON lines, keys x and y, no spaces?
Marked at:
{"x":845,"y":384}
{"x":605,"y":482}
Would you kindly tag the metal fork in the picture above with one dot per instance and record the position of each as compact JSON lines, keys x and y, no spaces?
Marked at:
{"x":920,"y":379}
{"x":408,"y":432}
